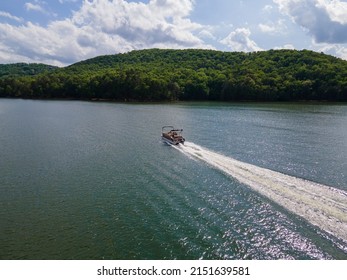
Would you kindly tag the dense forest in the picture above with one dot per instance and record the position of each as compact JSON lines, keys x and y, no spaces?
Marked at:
{"x":166,"y":75}
{"x":23,"y":69}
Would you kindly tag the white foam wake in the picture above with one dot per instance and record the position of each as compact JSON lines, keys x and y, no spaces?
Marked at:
{"x":320,"y":205}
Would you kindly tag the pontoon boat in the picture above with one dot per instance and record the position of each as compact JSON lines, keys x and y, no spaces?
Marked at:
{"x":171,"y":135}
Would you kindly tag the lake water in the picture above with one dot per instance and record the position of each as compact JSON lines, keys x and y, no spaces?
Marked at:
{"x":83,"y":180}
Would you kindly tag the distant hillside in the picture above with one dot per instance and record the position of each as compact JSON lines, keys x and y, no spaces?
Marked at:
{"x":23,"y":69}
{"x":163,"y":75}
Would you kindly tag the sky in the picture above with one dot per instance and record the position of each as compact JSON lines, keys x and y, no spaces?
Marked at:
{"x":62,"y":32}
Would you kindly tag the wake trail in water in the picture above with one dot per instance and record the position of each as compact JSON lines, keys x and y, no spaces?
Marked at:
{"x":320,"y":205}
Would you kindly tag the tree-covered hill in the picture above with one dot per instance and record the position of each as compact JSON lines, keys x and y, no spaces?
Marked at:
{"x":161,"y":75}
{"x":23,"y":69}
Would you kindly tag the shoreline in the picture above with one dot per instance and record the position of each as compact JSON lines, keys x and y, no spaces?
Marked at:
{"x":104,"y":100}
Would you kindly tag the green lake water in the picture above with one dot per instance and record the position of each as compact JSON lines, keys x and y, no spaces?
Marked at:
{"x":83,"y":180}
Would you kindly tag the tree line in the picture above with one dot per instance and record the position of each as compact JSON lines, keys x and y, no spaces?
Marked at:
{"x":167,"y":75}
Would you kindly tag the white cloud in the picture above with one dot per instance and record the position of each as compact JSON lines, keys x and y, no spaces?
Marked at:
{"x":325,"y":20}
{"x":34,"y":7}
{"x":172,"y":8}
{"x":104,"y":27}
{"x":286,"y":47}
{"x":341,"y":52}
{"x":273,"y":28}
{"x":334,"y":49}
{"x":142,"y":25}
{"x":8,"y":15}
{"x":239,"y":40}
{"x":337,"y":10}
{"x":207,"y":34}
{"x":267,"y":28}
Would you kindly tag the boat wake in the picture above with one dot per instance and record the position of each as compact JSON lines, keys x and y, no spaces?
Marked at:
{"x":320,"y":205}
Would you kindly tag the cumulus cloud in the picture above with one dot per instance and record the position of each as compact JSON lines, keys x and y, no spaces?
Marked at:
{"x":104,"y":27}
{"x":239,"y":40}
{"x":333,"y":49}
{"x":273,"y":28}
{"x":325,"y":20}
{"x":162,"y":21}
{"x":337,"y":10}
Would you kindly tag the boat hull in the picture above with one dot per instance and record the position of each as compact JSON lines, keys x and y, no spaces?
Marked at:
{"x":172,"y":142}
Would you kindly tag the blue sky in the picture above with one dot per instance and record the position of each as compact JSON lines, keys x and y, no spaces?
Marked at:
{"x":62,"y":32}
